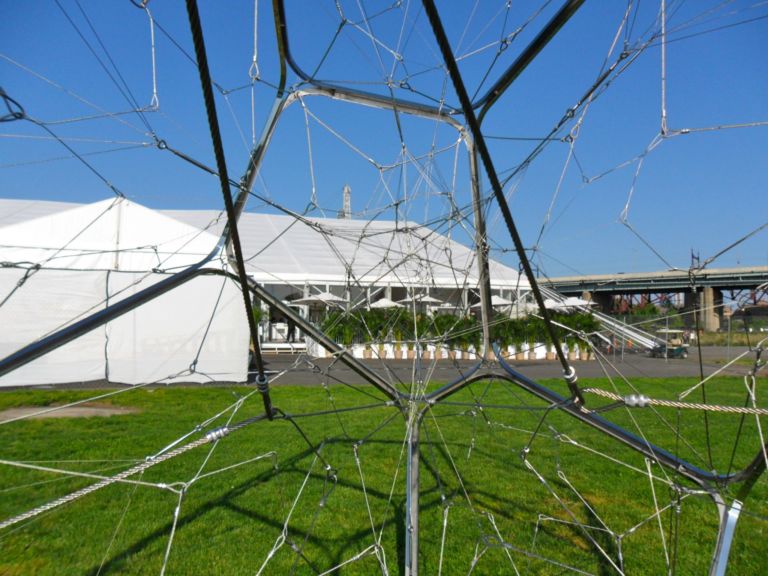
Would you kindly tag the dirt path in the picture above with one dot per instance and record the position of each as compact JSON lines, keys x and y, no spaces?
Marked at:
{"x":81,"y":411}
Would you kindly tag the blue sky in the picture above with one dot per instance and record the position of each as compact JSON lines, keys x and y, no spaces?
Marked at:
{"x":699,"y":191}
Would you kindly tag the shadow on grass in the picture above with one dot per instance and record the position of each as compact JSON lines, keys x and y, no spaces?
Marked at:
{"x":436,"y":487}
{"x":335,"y":550}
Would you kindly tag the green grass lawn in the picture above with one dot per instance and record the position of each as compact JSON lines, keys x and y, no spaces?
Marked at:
{"x":337,"y":474}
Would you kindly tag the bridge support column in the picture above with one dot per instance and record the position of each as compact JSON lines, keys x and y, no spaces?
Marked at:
{"x":709,"y":307}
{"x":604,"y":300}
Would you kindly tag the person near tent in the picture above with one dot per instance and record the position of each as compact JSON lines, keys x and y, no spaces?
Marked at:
{"x":291,"y":330}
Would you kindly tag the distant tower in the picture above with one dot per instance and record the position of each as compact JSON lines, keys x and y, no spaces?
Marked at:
{"x":346,"y":209}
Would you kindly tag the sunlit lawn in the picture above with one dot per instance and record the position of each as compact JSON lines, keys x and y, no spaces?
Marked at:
{"x":475,"y":487}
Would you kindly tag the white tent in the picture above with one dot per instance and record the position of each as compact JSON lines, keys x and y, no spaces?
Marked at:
{"x":281,"y":249}
{"x":61,"y":267}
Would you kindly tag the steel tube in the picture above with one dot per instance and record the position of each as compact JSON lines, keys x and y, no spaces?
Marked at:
{"x":729,"y":515}
{"x":412,"y":498}
{"x":702,"y":477}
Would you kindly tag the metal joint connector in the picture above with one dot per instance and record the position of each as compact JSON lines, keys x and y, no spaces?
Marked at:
{"x":217,"y":433}
{"x":637,"y":400}
{"x":262,"y":383}
{"x":570,"y":376}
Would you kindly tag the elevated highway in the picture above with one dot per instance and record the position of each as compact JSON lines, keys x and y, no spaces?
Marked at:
{"x":744,"y":278}
{"x":703,"y":289}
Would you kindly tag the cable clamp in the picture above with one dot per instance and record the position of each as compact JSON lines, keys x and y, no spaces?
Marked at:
{"x":570,"y":376}
{"x":253,"y":72}
{"x":217,"y":434}
{"x":637,"y":400}
{"x":262,"y":383}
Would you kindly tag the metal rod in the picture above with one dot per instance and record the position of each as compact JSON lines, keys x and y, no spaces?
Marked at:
{"x":485,"y":156}
{"x":234,"y":248}
{"x":412,"y":498}
{"x":527,"y":56}
{"x":486,"y":101}
{"x":482,"y":250}
{"x":702,"y":477}
{"x":729,"y":515}
{"x":343,"y":354}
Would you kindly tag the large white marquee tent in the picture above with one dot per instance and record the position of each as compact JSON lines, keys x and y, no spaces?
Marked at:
{"x":64,"y":261}
{"x":285,"y":249}
{"x":62,"y":266}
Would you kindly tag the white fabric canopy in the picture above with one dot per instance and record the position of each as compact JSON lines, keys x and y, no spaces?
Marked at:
{"x":422,"y":299}
{"x":496,"y":301}
{"x":383,"y":303}
{"x":281,"y":249}
{"x":323,"y":298}
{"x":64,"y":266}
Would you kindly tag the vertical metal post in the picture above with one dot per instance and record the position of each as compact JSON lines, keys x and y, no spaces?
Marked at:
{"x":412,"y":496}
{"x":481,"y":245}
{"x":729,"y":515}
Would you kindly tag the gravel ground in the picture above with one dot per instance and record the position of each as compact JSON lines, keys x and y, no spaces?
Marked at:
{"x":632,"y":365}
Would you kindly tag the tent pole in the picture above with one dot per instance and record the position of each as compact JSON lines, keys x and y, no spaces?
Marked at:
{"x":412,"y":495}
{"x":482,"y":250}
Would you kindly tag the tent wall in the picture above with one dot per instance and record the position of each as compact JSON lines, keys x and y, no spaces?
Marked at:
{"x":195,"y":333}
{"x":44,"y":302}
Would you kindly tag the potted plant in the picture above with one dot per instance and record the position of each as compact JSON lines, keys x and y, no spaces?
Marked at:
{"x":398,"y":339}
{"x":584,"y":349}
{"x":517,"y":337}
{"x":502,"y":334}
{"x":588,"y":324}
{"x":561,"y":335}
{"x":532,"y":336}
{"x":348,"y":332}
{"x":572,"y":351}
{"x":443,"y":325}
{"x":550,"y":354}
{"x":468,"y":334}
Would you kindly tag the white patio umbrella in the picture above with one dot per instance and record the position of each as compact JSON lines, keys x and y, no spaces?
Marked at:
{"x":385,"y":303}
{"x":427,"y":299}
{"x":496,"y":301}
{"x":422,"y":299}
{"x":322,"y":298}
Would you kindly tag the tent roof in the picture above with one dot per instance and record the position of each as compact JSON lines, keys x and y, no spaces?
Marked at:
{"x":13,"y":211}
{"x":283,"y":249}
{"x":114,"y":234}
{"x":279,"y":249}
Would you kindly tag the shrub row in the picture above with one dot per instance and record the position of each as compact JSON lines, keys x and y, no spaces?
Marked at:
{"x":459,"y":331}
